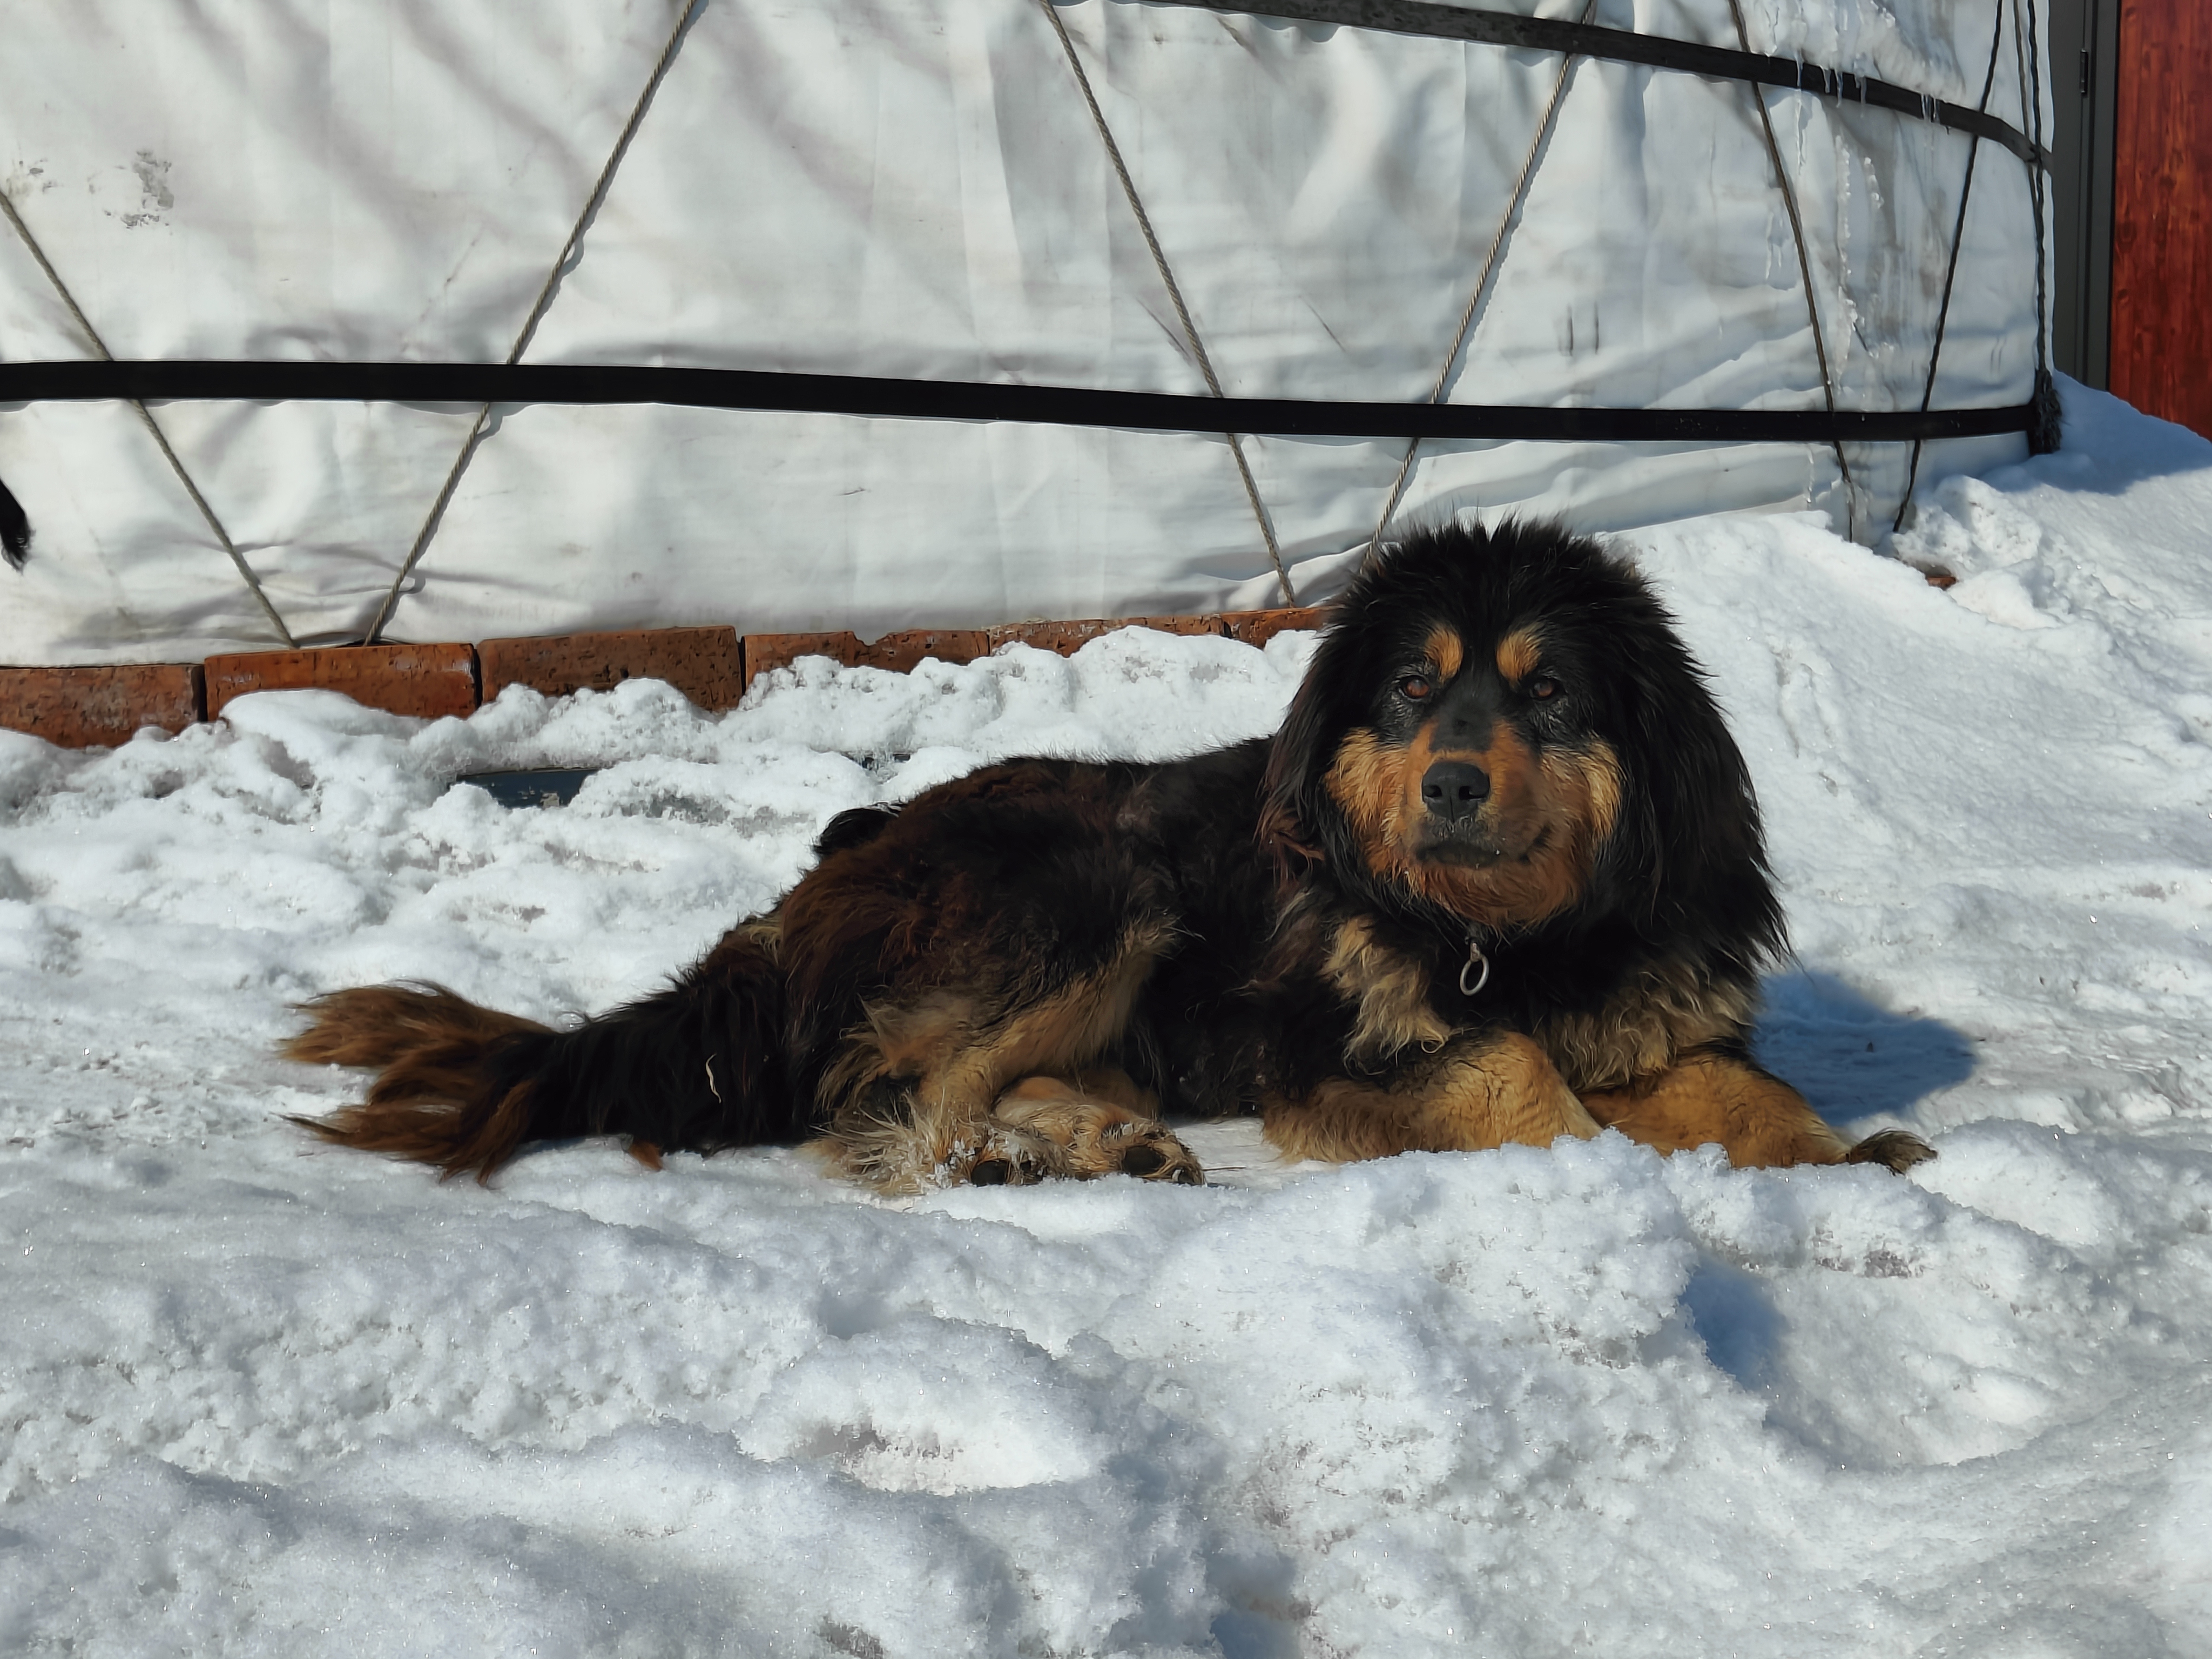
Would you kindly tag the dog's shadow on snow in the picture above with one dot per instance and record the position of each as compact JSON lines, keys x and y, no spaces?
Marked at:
{"x":1850,"y":1057}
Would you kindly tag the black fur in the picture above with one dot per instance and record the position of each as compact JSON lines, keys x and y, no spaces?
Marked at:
{"x":698,"y":1066}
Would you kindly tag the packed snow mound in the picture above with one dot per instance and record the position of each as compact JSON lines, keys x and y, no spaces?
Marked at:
{"x":259,"y":1396}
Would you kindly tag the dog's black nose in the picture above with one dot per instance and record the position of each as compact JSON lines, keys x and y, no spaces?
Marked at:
{"x":1454,"y":789}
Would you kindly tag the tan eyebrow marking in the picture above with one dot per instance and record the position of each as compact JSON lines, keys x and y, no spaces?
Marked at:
{"x":1446,"y":652}
{"x":1518,"y":654}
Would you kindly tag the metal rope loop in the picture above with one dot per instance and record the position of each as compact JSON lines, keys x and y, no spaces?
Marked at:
{"x":1951,"y":268}
{"x":538,"y":308}
{"x":1175,"y":294}
{"x":1481,"y":283}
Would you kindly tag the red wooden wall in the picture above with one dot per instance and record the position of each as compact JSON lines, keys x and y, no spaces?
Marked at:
{"x":2162,"y":211}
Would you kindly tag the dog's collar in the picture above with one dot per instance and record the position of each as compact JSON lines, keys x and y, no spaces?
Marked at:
{"x":1478,"y":965}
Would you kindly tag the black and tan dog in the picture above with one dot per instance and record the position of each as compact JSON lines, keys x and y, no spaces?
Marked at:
{"x":1498,"y":878}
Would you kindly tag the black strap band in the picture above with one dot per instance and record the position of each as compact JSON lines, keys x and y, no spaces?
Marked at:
{"x":967,"y":400}
{"x":1499,"y":28}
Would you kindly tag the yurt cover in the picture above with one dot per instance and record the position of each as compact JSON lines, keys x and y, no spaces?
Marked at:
{"x":327,"y":318}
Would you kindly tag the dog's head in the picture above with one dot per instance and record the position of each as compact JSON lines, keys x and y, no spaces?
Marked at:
{"x":1502,"y":726}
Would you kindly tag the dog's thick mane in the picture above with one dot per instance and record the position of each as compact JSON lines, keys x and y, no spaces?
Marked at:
{"x":1664,"y":943}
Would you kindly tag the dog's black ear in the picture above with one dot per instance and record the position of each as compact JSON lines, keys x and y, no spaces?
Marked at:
{"x":1330,"y":699}
{"x":1295,"y":815}
{"x":1286,"y":814}
{"x":15,"y":529}
{"x":1688,"y":857}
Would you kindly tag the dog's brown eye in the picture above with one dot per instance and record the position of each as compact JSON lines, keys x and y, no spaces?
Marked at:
{"x":1543,"y":686}
{"x":1414,"y":688}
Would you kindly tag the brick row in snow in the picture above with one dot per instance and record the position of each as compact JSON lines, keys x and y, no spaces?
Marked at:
{"x":82,"y":707}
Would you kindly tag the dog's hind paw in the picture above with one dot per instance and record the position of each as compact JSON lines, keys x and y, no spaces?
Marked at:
{"x":1043,"y":1128}
{"x":1002,"y":1156}
{"x":1895,"y":1150}
{"x":1090,"y":1136}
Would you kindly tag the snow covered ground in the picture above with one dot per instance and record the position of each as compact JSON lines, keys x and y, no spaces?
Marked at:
{"x":257,"y":1396}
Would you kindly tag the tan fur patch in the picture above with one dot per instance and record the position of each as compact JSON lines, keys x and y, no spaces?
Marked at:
{"x":914,"y":1040}
{"x":1641,"y":1030}
{"x":766,"y":932}
{"x":1099,"y":1123}
{"x":1557,"y":810}
{"x":1108,"y":1084}
{"x":1060,"y":1032}
{"x":1592,"y":778}
{"x":1761,"y":1120}
{"x":377,"y":1024}
{"x":1391,"y":991}
{"x":953,"y":1052}
{"x":1481,"y":1092}
{"x":1518,"y":654}
{"x":1367,"y":780}
{"x":1446,"y":653}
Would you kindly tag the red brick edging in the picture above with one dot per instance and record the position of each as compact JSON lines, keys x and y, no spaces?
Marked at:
{"x":429,"y":680}
{"x":705,"y":664}
{"x":88,"y":708}
{"x":900,"y":652}
{"x":80,"y":707}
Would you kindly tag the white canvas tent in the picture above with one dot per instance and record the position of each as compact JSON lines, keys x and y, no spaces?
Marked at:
{"x":919,"y":190}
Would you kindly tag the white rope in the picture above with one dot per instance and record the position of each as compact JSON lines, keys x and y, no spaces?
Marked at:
{"x":1481,"y":283}
{"x":1174,"y":296}
{"x":1805,"y":272}
{"x":160,"y":438}
{"x":538,"y":310}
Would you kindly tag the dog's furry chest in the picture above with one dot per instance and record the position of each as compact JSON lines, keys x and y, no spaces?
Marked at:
{"x":1342,"y":994}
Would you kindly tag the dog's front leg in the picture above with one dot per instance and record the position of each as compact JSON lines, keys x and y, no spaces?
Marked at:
{"x":1708,"y":1096}
{"x":1476,"y":1092}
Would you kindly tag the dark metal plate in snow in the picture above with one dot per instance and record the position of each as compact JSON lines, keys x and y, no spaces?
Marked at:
{"x":544,"y":785}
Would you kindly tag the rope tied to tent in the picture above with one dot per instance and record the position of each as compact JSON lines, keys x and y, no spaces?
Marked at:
{"x":1174,"y":296}
{"x":1481,"y":283}
{"x":1804,"y":272}
{"x":1951,"y":269}
{"x":15,"y":525}
{"x":561,"y":264}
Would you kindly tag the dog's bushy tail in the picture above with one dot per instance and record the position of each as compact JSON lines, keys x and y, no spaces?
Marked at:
{"x":697,"y":1067}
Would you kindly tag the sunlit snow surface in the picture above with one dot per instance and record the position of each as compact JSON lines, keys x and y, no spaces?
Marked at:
{"x":257,"y":1396}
